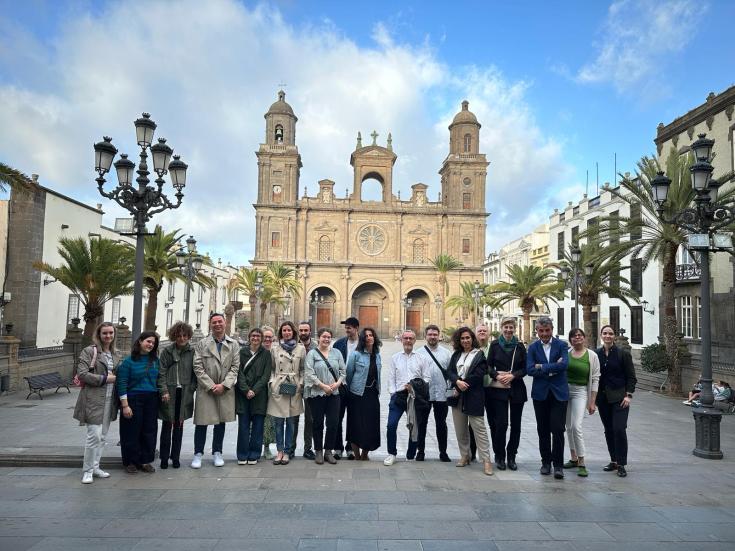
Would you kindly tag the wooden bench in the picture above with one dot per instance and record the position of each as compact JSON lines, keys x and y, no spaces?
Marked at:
{"x":37,"y":383}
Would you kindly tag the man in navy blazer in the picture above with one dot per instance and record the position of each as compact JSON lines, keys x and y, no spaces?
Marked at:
{"x":547,"y":362}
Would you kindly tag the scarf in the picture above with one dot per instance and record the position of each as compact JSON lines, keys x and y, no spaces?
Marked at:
{"x":289,"y":345}
{"x":508,"y":346}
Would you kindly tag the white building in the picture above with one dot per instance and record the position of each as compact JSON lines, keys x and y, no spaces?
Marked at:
{"x":641,"y":325}
{"x":41,"y":308}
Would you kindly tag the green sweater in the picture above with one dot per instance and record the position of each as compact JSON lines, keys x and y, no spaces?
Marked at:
{"x":578,"y":371}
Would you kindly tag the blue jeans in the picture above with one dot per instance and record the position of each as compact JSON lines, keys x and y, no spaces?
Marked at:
{"x":283,"y":440}
{"x":249,"y":435}
{"x":396,"y":409}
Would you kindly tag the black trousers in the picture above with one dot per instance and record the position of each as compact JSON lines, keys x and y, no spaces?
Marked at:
{"x":200,"y":438}
{"x":615,"y":420}
{"x":441,"y":409}
{"x":138,"y":434}
{"x":343,"y":402}
{"x":324,"y":409}
{"x":172,"y":448}
{"x":551,"y":417}
{"x":496,"y":407}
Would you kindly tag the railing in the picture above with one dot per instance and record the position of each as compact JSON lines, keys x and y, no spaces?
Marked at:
{"x":34,"y":352}
{"x":688,"y":272}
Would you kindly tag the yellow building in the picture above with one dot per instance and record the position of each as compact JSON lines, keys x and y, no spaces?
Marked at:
{"x":370,"y":259}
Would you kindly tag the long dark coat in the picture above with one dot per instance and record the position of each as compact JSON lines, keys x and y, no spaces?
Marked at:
{"x":473,"y":399}
{"x":176,"y":365}
{"x":253,"y":377}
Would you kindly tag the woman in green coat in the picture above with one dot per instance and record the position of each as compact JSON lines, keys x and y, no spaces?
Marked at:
{"x":251,"y":397}
{"x":176,"y":384}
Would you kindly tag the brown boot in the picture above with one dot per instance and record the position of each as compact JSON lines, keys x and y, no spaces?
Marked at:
{"x":329,"y":458}
{"x":463,"y":462}
{"x":488,"y":470}
{"x":319,"y":458}
{"x":364,"y":455}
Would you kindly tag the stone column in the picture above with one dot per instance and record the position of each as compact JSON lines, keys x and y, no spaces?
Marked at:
{"x":124,"y":338}
{"x":73,"y":342}
{"x":9,"y":346}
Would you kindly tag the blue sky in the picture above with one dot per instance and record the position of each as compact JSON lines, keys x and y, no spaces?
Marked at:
{"x":558,"y":86}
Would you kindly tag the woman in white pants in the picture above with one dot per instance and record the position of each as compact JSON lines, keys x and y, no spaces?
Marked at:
{"x":583,"y":376}
{"x":96,"y":404}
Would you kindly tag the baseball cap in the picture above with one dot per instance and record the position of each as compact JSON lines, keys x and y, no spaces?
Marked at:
{"x":351,"y":321}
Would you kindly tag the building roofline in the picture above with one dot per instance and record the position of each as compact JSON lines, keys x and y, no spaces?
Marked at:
{"x":713,"y":104}
{"x":70,"y":199}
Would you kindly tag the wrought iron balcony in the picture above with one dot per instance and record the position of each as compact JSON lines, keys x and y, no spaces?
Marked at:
{"x":688,"y":272}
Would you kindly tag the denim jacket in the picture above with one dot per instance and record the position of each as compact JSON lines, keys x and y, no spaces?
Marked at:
{"x":358,"y":366}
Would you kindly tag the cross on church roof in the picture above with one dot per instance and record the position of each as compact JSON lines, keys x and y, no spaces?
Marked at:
{"x":375,"y":137}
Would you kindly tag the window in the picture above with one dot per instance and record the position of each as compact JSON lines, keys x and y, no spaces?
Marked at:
{"x":325,"y":248}
{"x":615,"y":318}
{"x":467,"y":143}
{"x":171,"y":289}
{"x":614,"y":227}
{"x":169,"y":319}
{"x":466,"y":245}
{"x":685,"y":317}
{"x":115,"y":318}
{"x":636,"y":276}
{"x":200,"y":294}
{"x":560,"y":246}
{"x":560,"y":320}
{"x":466,"y":200}
{"x":235,"y":295}
{"x":72,"y":308}
{"x":575,"y":236}
{"x":276,"y":239}
{"x":224,"y":296}
{"x":575,"y":317}
{"x":593,"y":230}
{"x":419,"y":251}
{"x":636,"y":324}
{"x":636,"y":231}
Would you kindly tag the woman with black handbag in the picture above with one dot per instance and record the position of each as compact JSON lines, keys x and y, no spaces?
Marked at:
{"x":324,"y":373}
{"x":286,"y":387}
{"x":467,"y":370}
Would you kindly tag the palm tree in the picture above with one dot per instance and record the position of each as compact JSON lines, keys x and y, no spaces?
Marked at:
{"x":160,"y":265}
{"x":246,"y":280}
{"x":659,"y":241}
{"x":601,"y":277}
{"x":443,"y":264}
{"x":281,"y":280}
{"x":15,"y":180}
{"x":466,"y":301}
{"x":97,"y":271}
{"x":532,"y":287}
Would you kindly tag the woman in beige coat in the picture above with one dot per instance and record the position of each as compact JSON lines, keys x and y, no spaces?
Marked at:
{"x":284,"y":406}
{"x":216,"y":363}
{"x":97,"y":403}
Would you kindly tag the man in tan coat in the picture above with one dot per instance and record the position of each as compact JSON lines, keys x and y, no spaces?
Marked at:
{"x":216,"y":363}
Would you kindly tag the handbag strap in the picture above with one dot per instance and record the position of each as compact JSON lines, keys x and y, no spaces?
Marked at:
{"x":94,"y":356}
{"x":251,"y":359}
{"x":336,"y":377}
{"x":445,"y":374}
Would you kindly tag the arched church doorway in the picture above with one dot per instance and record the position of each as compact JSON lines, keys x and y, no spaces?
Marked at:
{"x":369,"y":305}
{"x":322,"y":301}
{"x":417,"y":313}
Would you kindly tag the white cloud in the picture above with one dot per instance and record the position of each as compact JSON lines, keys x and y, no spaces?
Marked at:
{"x":208,"y":72}
{"x":636,"y":38}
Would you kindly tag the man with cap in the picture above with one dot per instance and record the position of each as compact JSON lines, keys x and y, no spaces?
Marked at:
{"x":346,"y":345}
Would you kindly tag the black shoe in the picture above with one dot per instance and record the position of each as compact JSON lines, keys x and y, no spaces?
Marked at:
{"x":610,"y":467}
{"x":500,"y":464}
{"x":164,"y":464}
{"x":558,"y":473}
{"x":473,"y":459}
{"x":337,"y":455}
{"x":309,"y":454}
{"x":512,"y":464}
{"x":419,"y":456}
{"x":350,"y":455}
{"x":545,"y":469}
{"x":444,"y":458}
{"x":175,"y":463}
{"x":622,"y":473}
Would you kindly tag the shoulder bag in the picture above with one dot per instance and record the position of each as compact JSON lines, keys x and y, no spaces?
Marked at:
{"x":286,"y":388}
{"x":494,"y":383}
{"x":342,"y":388}
{"x":449,"y":391}
{"x":77,"y":381}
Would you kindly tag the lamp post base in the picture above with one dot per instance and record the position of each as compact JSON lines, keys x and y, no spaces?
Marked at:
{"x":707,"y":433}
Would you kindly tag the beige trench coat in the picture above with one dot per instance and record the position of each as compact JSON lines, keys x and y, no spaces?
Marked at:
{"x":286,"y":368}
{"x":212,"y":367}
{"x":90,"y":406}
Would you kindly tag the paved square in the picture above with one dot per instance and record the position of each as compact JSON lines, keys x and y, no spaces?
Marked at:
{"x":670,"y":499}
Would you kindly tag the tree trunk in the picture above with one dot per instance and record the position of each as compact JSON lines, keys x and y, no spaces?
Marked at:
{"x":150,"y":311}
{"x":263,"y":308}
{"x":443,"y":285}
{"x":587,"y":325}
{"x":253,"y":300}
{"x":670,"y":326}
{"x":527,"y":325}
{"x":92,"y":313}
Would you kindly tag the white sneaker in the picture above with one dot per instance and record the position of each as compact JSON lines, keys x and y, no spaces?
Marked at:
{"x":218,"y":461}
{"x":196,"y":463}
{"x":242,"y":462}
{"x":99,"y":473}
{"x":87,"y":477}
{"x":388,"y":461}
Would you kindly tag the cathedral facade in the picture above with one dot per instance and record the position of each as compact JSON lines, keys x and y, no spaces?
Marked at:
{"x":365,"y":258}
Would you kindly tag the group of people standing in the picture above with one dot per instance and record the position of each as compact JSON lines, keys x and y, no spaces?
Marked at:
{"x":277,"y":376}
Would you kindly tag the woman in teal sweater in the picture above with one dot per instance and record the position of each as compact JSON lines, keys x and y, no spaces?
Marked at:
{"x":136,"y":385}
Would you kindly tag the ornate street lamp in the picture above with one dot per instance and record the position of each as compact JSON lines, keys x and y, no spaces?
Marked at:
{"x":701,"y":222}
{"x":189,"y":263}
{"x":142,"y":201}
